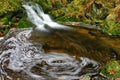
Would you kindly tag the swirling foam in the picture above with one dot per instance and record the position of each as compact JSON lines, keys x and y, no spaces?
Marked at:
{"x":23,"y":55}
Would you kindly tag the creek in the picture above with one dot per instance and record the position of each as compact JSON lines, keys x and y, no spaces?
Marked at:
{"x":51,"y":51}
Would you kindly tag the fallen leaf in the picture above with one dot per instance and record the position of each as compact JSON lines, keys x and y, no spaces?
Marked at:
{"x":117,"y":79}
{"x":12,"y":29}
{"x":111,"y":72}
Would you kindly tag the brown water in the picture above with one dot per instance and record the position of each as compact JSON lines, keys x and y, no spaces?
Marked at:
{"x":80,"y":42}
{"x":28,"y":54}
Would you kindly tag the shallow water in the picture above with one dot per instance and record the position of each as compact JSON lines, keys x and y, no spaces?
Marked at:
{"x":52,"y":51}
{"x":27,"y":54}
{"x":79,"y":42}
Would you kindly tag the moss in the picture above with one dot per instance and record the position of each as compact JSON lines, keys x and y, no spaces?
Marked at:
{"x":111,"y":28}
{"x":112,"y":22}
{"x":24,"y":23}
{"x":73,"y":12}
{"x":101,"y":13}
{"x":9,"y":5}
{"x":81,"y":11}
{"x":111,"y":70}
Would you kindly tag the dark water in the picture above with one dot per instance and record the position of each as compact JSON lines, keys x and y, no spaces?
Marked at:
{"x":80,"y":42}
{"x":28,"y":54}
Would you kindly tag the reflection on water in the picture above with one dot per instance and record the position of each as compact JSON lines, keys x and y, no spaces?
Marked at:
{"x":79,"y":42}
{"x":22,"y":56}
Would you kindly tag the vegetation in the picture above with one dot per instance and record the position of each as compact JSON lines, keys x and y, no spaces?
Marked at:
{"x":9,"y":5}
{"x":104,"y":13}
{"x":24,"y":23}
{"x":111,"y":70}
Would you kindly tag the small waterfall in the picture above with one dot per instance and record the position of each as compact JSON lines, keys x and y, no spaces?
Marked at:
{"x":40,"y":19}
{"x":22,"y":56}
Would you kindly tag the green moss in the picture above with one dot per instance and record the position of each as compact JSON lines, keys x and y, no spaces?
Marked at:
{"x":111,"y":28}
{"x":72,"y":12}
{"x":24,"y":23}
{"x":111,"y":70}
{"x":95,"y":12}
{"x":4,"y":20}
{"x":81,"y":11}
{"x":9,"y":5}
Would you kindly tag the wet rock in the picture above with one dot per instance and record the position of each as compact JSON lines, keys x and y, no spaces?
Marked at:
{"x":85,"y":78}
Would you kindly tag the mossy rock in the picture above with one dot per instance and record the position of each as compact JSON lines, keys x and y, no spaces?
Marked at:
{"x":111,"y":28}
{"x":111,"y":70}
{"x":9,"y":5}
{"x":112,"y":22}
{"x":24,"y":23}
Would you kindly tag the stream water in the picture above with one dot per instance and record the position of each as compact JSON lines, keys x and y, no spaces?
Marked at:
{"x":51,"y":51}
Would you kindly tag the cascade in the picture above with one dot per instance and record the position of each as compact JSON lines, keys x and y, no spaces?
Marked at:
{"x":22,"y":52}
{"x":40,"y":19}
